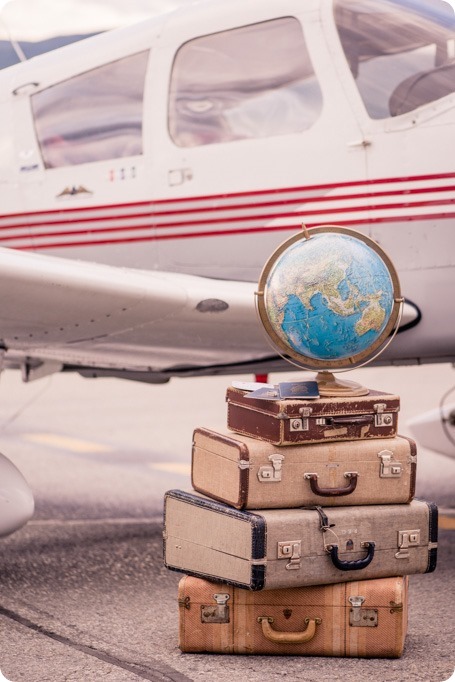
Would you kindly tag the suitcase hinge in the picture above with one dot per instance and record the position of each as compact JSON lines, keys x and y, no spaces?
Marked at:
{"x":271,"y":474}
{"x":389,"y":468}
{"x":406,"y":539}
{"x":359,"y":617}
{"x":292,"y":550}
{"x":185,"y":602}
{"x":243,"y":464}
{"x":382,"y":418}
{"x":219,"y":613}
{"x":395,"y":608}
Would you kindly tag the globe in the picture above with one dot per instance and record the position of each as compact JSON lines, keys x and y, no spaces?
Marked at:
{"x":329,"y":298}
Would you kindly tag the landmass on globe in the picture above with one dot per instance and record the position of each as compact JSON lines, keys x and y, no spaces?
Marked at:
{"x":329,"y":297}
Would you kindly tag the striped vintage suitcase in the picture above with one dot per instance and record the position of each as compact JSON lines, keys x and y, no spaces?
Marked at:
{"x":362,"y":618}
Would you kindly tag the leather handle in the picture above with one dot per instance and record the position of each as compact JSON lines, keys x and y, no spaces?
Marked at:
{"x":352,"y":565}
{"x":288,"y":637}
{"x":350,"y":419}
{"x":333,"y":492}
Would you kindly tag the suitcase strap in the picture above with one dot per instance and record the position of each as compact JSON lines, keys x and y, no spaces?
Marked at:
{"x":342,"y":565}
{"x":288,"y":637}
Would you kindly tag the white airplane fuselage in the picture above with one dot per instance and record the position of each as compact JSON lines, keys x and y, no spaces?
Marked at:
{"x":190,"y":199}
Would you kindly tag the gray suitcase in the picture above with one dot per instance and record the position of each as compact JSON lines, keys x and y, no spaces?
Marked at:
{"x":276,"y":548}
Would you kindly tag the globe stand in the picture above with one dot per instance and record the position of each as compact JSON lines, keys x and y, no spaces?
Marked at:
{"x":331,"y":387}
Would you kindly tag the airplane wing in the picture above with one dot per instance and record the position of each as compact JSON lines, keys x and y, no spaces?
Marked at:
{"x":110,"y":321}
{"x":60,"y":314}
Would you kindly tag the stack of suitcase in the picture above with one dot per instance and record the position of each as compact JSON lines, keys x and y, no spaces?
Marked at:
{"x":301,"y":529}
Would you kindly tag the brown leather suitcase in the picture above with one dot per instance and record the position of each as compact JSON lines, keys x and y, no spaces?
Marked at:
{"x":287,"y":422}
{"x":252,"y":474}
{"x":275,"y":548}
{"x":364,"y":618}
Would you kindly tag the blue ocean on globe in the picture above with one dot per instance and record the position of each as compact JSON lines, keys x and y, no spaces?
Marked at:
{"x":330,"y":297}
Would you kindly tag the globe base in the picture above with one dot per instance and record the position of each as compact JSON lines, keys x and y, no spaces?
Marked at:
{"x":331,"y":387}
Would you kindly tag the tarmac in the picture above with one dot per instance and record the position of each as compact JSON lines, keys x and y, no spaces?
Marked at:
{"x":84,"y":593}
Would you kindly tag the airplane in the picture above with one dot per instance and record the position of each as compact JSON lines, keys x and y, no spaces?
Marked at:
{"x":148,"y":172}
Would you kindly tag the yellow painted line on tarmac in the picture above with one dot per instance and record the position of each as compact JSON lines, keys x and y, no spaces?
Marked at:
{"x":172,"y":467}
{"x":73,"y":444}
{"x":446,"y":522}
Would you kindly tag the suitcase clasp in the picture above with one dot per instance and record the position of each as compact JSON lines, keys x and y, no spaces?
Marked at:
{"x":271,"y":474}
{"x":216,"y":614}
{"x":406,"y":539}
{"x":297,"y":424}
{"x":359,"y":617}
{"x":389,"y":468}
{"x":382,"y":418}
{"x":292,"y":550}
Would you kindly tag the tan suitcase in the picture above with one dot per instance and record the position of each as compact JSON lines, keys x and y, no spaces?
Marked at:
{"x":252,"y":474}
{"x":275,"y":548}
{"x":364,"y":618}
{"x":287,"y":422}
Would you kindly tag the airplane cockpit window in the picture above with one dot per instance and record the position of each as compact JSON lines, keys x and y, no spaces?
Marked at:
{"x":250,"y":82}
{"x":400,"y":52}
{"x":95,"y":116}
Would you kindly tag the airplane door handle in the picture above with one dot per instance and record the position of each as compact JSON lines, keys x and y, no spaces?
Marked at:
{"x":177,"y":176}
{"x":26,"y":88}
{"x":360,"y":143}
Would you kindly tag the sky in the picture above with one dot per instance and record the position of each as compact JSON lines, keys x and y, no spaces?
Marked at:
{"x":39,"y":19}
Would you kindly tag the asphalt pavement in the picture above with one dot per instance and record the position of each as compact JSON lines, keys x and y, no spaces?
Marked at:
{"x":84,"y":594}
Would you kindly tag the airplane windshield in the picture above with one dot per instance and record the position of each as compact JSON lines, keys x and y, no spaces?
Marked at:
{"x":400,"y":52}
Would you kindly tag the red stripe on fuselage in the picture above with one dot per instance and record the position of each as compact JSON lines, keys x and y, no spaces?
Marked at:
{"x":232,"y":207}
{"x":234,"y":231}
{"x":221,"y":214}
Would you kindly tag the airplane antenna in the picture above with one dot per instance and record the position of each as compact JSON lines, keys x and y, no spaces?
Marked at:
{"x":14,"y":44}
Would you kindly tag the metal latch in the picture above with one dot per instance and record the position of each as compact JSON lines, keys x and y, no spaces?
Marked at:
{"x":271,"y":474}
{"x":218,"y":613}
{"x":406,"y":539}
{"x":382,"y":418}
{"x":358,"y":617}
{"x":299,"y":424}
{"x":389,"y":468}
{"x":302,"y":423}
{"x":292,"y":550}
{"x":243,"y":464}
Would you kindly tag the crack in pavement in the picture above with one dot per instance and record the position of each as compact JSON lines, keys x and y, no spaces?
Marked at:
{"x":161,"y":672}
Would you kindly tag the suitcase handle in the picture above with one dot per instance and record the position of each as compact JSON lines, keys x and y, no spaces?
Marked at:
{"x":350,"y":419}
{"x":333,"y":492}
{"x":351,"y":565}
{"x":288,"y":637}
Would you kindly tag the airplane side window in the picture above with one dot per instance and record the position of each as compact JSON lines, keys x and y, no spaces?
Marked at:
{"x":251,"y":82}
{"x":400,"y":52}
{"x":95,"y":116}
